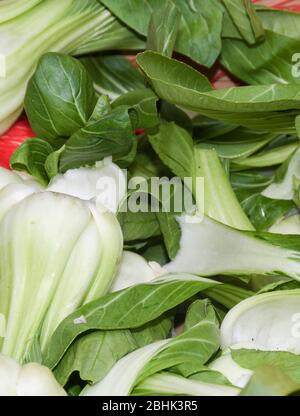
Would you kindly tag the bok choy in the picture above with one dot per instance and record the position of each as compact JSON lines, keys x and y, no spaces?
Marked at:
{"x":58,"y":252}
{"x":29,"y":29}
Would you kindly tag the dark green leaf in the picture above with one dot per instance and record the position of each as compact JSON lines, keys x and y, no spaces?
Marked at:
{"x":174,"y":146}
{"x":163,"y":28}
{"x":207,"y":128}
{"x":267,"y":108}
{"x":228,"y":295}
{"x":138,"y":225}
{"x":93,"y":355}
{"x":249,"y":181}
{"x":31,"y":157}
{"x":156,"y":252}
{"x":143,"y":101}
{"x":60,"y":96}
{"x":170,"y":112}
{"x":111,"y":135}
{"x":112,"y":74}
{"x":199,"y":341}
{"x":262,"y":211}
{"x":136,"y":306}
{"x":102,"y":107}
{"x":153,"y":331}
{"x":243,"y":14}
{"x":269,"y":62}
{"x":199,"y":34}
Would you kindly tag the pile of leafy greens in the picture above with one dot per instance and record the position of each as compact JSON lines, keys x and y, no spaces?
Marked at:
{"x":204,"y":301}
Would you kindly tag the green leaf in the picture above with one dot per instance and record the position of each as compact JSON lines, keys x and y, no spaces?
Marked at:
{"x":269,"y":381}
{"x":269,"y":62}
{"x":31,"y":157}
{"x":93,"y":355}
{"x":285,"y":361}
{"x":60,"y":96}
{"x":174,"y":146}
{"x":52,"y":162}
{"x":102,"y":107}
{"x":163,"y":28}
{"x":111,"y":135}
{"x":136,"y":306}
{"x":143,"y":101}
{"x":207,"y":128}
{"x":210,"y":376}
{"x":228,"y":295}
{"x":138,"y":225}
{"x":245,"y":18}
{"x":267,"y":157}
{"x":153,"y":331}
{"x":156,"y":252}
{"x":220,"y":201}
{"x":253,"y":181}
{"x":267,"y":108}
{"x":199,"y":34}
{"x":113,"y":75}
{"x":167,"y":215}
{"x":170,"y":112}
{"x":262,"y":211}
{"x":281,"y":21}
{"x":239,"y":143}
{"x":199,"y":341}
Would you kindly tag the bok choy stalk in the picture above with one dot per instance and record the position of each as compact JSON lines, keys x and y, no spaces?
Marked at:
{"x":123,"y":376}
{"x":269,"y":322}
{"x":57,"y":253}
{"x":105,"y":184}
{"x":29,"y":29}
{"x":169,"y":383}
{"x":236,"y":374}
{"x":289,"y":225}
{"x":187,"y":160}
{"x":208,"y":247}
{"x":32,"y":379}
{"x":283,"y":188}
{"x":135,"y":269}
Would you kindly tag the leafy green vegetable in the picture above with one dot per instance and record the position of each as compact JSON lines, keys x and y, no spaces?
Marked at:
{"x":282,"y":188}
{"x":269,"y":108}
{"x":245,"y":18}
{"x":31,"y":157}
{"x":175,"y":148}
{"x":138,"y":225}
{"x":199,"y":33}
{"x":156,"y":299}
{"x":201,"y":338}
{"x":60,"y":96}
{"x":171,"y":384}
{"x":112,"y":75}
{"x":53,"y":252}
{"x":142,"y":103}
{"x":111,"y":135}
{"x":262,"y":211}
{"x":287,"y":362}
{"x":269,"y":381}
{"x":238,"y":252}
{"x":65,"y":27}
{"x":267,"y":157}
{"x":163,"y":28}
